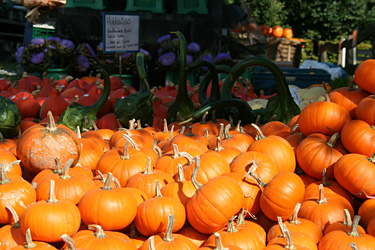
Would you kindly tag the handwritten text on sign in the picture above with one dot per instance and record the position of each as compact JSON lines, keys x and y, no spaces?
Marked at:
{"x":120,"y":32}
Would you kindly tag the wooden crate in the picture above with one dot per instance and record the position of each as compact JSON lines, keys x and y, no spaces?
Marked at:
{"x":285,"y":50}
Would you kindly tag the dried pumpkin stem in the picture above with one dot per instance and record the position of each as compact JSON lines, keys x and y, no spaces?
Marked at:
{"x":165,"y":126}
{"x":221,"y":130}
{"x":16,"y":220}
{"x":69,"y":242}
{"x":372,"y":158}
{"x":260,"y":134}
{"x":3,"y":177}
{"x":125,"y":153}
{"x":148,"y":167}
{"x":219,"y":243}
{"x":132,"y":124}
{"x":52,"y":195}
{"x":294,"y":220}
{"x":289,"y":240}
{"x":51,"y":125}
{"x":131,"y":141}
{"x":151,"y":243}
{"x":281,"y":226}
{"x":99,"y":232}
{"x":354,"y":231}
{"x":196,"y":184}
{"x":353,"y":246}
{"x":168,"y":232}
{"x":180,"y":173}
{"x":219,"y":147}
{"x":347,"y":218}
{"x":29,"y":241}
{"x":255,"y":176}
{"x":226,"y":132}
{"x":238,"y":126}
{"x":322,"y":199}
{"x":94,"y":125}
{"x":175,"y":151}
{"x":157,"y":189}
{"x":58,"y":168}
{"x":107,"y":182}
{"x":78,"y":132}
{"x":325,"y":180}
{"x":231,"y":227}
{"x":65,"y":174}
{"x":332,"y":141}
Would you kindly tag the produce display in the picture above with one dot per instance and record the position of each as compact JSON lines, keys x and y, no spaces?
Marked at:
{"x":100,"y":164}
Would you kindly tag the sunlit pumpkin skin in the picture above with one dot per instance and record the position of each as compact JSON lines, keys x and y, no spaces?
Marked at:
{"x":277,"y":31}
{"x":151,"y":223}
{"x":355,"y":173}
{"x":7,"y":157}
{"x":11,"y":235}
{"x":214,"y":204}
{"x":276,"y":128}
{"x":323,"y":117}
{"x":299,"y":239}
{"x":196,"y":237}
{"x":345,"y":225}
{"x":348,"y":97}
{"x":36,"y":245}
{"x":281,"y":195}
{"x":318,"y":152}
{"x":364,"y":75}
{"x":95,"y":209}
{"x":15,"y":192}
{"x":365,"y":110}
{"x":97,"y":239}
{"x":358,"y":137}
{"x":277,"y":148}
{"x":341,"y":240}
{"x":366,"y":211}
{"x":38,"y":146}
{"x":57,"y":218}
{"x":287,"y":33}
{"x":371,"y":227}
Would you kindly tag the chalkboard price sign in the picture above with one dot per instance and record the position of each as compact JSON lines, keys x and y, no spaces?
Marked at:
{"x":121,"y":32}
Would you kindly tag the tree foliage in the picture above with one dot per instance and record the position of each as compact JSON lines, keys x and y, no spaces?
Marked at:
{"x":318,"y":19}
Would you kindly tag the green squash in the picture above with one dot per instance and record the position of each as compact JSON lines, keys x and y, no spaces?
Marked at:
{"x":10,"y":118}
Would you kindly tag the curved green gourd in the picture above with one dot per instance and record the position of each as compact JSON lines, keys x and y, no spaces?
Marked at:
{"x":282,"y":105}
{"x":183,"y":106}
{"x":137,"y":105}
{"x":76,"y":114}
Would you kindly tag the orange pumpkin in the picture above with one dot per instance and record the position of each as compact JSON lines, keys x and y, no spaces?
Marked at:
{"x":11,"y":234}
{"x":277,"y":31}
{"x":364,"y":75}
{"x":287,"y":33}
{"x":365,"y":110}
{"x":36,"y":245}
{"x":362,"y":141}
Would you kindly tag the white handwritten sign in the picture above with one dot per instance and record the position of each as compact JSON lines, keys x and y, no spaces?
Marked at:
{"x":120,"y":32}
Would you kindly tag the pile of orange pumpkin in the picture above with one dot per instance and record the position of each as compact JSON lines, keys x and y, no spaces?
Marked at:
{"x":308,"y":184}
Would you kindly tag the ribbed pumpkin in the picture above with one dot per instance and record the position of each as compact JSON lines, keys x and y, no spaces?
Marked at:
{"x":345,"y":225}
{"x":229,"y":153}
{"x":15,"y":192}
{"x":168,"y":241}
{"x":318,"y":152}
{"x":196,"y":237}
{"x":343,"y":240}
{"x":49,"y":219}
{"x":38,"y":146}
{"x":365,"y":110}
{"x":214,"y":203}
{"x":36,"y":245}
{"x":364,"y":75}
{"x":10,"y":161}
{"x":241,"y":141}
{"x":323,"y":117}
{"x":152,"y":214}
{"x":219,"y":245}
{"x":355,"y":173}
{"x":277,"y":148}
{"x":367,"y":211}
{"x":11,"y":235}
{"x":94,"y":207}
{"x":362,"y":141}
{"x":91,"y":151}
{"x":281,"y":195}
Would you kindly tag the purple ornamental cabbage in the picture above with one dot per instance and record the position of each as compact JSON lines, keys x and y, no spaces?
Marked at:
{"x":189,"y":59}
{"x":54,"y":39}
{"x":223,"y":57}
{"x":167,"y":59}
{"x":37,"y":41}
{"x":37,"y":58}
{"x":163,"y":38}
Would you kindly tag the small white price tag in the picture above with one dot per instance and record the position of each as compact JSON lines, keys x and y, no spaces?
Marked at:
{"x":295,"y":96}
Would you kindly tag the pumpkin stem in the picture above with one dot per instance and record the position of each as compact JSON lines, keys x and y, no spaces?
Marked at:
{"x":206,"y":134}
{"x":148,"y":167}
{"x":353,"y":246}
{"x":171,"y":133}
{"x":218,"y":145}
{"x":204,"y":121}
{"x":52,"y":195}
{"x":241,"y":216}
{"x":180,"y":172}
{"x":294,"y":128}
{"x":131,"y":141}
{"x":231,"y":228}
{"x":69,"y":241}
{"x":372,"y":158}
{"x":322,"y":199}
{"x":238,"y":127}
{"x":175,"y":151}
{"x":325,"y":180}
{"x":260,"y":134}
{"x":168,"y":232}
{"x":226,"y":132}
{"x":51,"y":125}
{"x":166,"y":130}
{"x":133,"y":231}
{"x":29,"y":241}
{"x":58,"y":169}
{"x":107,"y":183}
{"x":221,"y":130}
{"x":182,"y":131}
{"x":289,"y":240}
{"x":16,"y":220}
{"x":255,"y":176}
{"x":99,"y":232}
{"x":190,"y":132}
{"x":354,"y":232}
{"x":294,"y":220}
{"x":157,"y":189}
{"x":94,"y":125}
{"x":219,"y":243}
{"x":125,"y":153}
{"x":151,"y":243}
{"x":196,"y":184}
{"x":132,"y":124}
{"x":157,"y":149}
{"x":281,"y":226}
{"x":332,"y":141}
{"x":139,"y":124}
{"x":10,"y":165}
{"x":347,"y":218}
{"x":65,"y":175}
{"x":78,"y":132}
